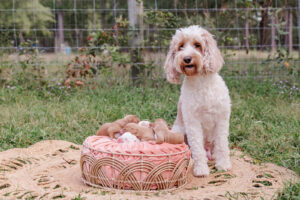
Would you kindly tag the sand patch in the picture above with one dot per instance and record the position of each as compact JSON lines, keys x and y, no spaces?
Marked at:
{"x":50,"y":170}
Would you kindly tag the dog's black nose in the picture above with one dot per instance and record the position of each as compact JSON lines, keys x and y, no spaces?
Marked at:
{"x":187,"y":59}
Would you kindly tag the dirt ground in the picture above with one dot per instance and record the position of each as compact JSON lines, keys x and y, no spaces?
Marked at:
{"x":50,"y":170}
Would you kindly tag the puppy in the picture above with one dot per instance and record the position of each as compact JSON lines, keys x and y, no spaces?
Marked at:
{"x":110,"y":129}
{"x":141,"y":132}
{"x":163,"y":134}
{"x":204,"y":106}
{"x":145,"y":123}
{"x":127,"y":137}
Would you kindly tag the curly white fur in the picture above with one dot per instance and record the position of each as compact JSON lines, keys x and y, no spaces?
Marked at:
{"x":145,"y":123}
{"x":204,"y":104}
{"x":127,"y":137}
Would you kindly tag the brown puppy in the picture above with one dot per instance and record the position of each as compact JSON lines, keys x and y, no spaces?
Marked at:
{"x":141,"y":132}
{"x":110,"y":129}
{"x":163,"y":134}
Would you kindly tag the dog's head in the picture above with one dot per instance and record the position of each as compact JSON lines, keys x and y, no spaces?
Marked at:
{"x":131,"y":119}
{"x":131,"y":127}
{"x":192,"y":51}
{"x":160,"y":124}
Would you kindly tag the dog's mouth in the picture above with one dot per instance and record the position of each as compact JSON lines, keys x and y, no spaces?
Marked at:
{"x":189,"y":70}
{"x":189,"y":66}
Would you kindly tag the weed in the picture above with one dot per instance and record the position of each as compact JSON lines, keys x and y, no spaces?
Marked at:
{"x":79,"y":197}
{"x":290,"y":192}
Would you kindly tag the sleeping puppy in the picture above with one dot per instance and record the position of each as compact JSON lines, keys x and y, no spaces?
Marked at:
{"x":143,"y":133}
{"x":128,"y":138}
{"x":145,"y":123}
{"x":163,"y":134}
{"x":110,"y":129}
{"x":158,"y":132}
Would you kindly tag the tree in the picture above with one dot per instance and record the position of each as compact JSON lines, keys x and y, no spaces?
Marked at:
{"x":290,"y":40}
{"x":247,"y":4}
{"x":264,"y":23}
{"x":298,"y":27}
{"x":273,"y":32}
{"x":135,"y":14}
{"x":26,"y":21}
{"x":60,"y":36}
{"x":246,"y":29}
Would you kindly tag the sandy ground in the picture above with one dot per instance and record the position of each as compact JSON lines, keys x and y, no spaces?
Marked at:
{"x":50,"y":170}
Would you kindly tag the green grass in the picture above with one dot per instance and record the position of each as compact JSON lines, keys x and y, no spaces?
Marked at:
{"x":290,"y":192}
{"x":266,"y":123}
{"x":265,"y":120}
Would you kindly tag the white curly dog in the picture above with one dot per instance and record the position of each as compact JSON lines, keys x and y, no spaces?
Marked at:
{"x":204,"y":104}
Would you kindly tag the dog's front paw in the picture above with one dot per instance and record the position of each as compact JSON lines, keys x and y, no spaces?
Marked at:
{"x":223,"y":164}
{"x":201,"y":170}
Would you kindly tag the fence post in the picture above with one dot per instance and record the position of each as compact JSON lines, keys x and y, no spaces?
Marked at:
{"x":135,"y":15}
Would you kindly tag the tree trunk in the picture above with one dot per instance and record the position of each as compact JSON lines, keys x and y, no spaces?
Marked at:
{"x":299,"y":28}
{"x":185,"y":12}
{"x":80,"y":38}
{"x":135,"y":15}
{"x":246,"y":31}
{"x":263,"y":27}
{"x":273,"y":33}
{"x":116,"y":25}
{"x":290,"y":31}
{"x":103,"y":14}
{"x":60,"y":31}
{"x":21,"y":37}
{"x":56,"y":47}
{"x":286,"y":28}
{"x":175,"y":2}
{"x":148,"y":33}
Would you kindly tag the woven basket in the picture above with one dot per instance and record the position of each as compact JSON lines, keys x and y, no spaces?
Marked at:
{"x":139,"y":175}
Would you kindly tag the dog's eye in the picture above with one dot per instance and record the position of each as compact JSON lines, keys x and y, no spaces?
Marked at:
{"x":180,"y":47}
{"x":197,"y":45}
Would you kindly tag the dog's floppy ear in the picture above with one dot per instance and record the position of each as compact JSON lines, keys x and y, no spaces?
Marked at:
{"x":172,"y":75}
{"x":213,"y":60}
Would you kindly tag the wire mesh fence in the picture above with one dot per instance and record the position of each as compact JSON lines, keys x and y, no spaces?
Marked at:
{"x":59,"y":39}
